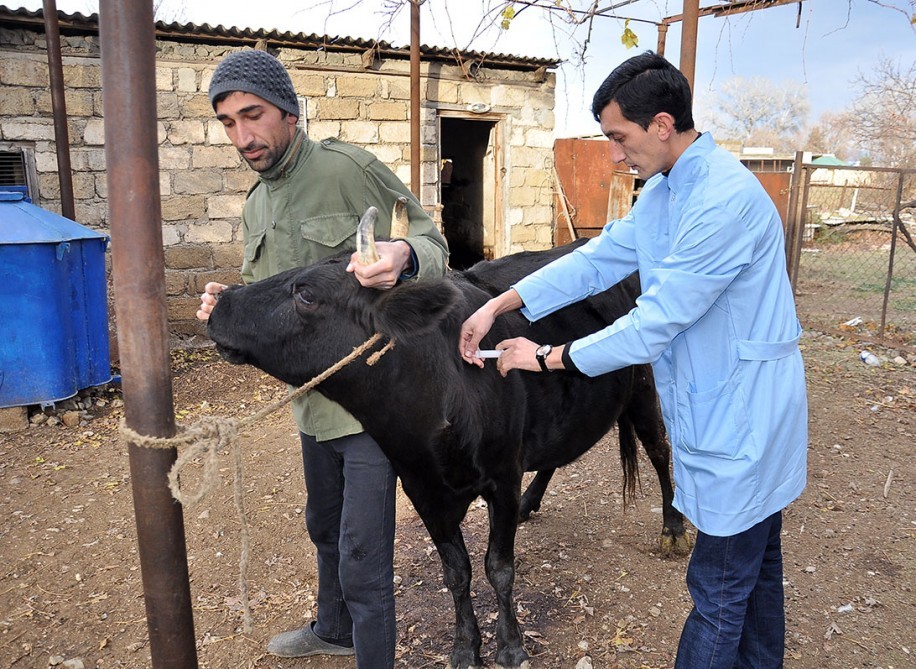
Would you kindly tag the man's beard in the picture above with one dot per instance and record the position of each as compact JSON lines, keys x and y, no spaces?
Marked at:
{"x":267,"y":160}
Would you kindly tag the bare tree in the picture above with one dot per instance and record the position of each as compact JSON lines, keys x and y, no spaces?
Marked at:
{"x":884,"y":113}
{"x":580,"y":16}
{"x":169,"y":11}
{"x":163,"y":10}
{"x":572,"y":21}
{"x":759,"y":112}
{"x":832,"y":133}
{"x":907,"y":8}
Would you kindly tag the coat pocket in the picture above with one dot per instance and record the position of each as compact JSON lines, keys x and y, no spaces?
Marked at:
{"x":253,"y":246}
{"x":768,"y":350}
{"x":715,"y":457}
{"x":714,"y":421}
{"x":253,"y":252}
{"x":330,"y":230}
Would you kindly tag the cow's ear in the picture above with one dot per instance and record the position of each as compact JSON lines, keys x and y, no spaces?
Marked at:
{"x":414,"y":308}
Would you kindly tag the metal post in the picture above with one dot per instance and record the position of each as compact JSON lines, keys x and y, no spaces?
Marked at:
{"x":689,"y":39}
{"x":794,"y":222}
{"x":415,"y":97}
{"x":59,"y":110}
{"x":128,"y":83}
{"x":890,"y":263}
{"x":802,"y":220}
{"x":662,"y":38}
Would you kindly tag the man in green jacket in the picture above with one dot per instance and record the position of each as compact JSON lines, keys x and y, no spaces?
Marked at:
{"x":306,"y":206}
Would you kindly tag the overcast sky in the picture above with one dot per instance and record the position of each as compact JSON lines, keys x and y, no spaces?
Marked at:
{"x":825,"y":53}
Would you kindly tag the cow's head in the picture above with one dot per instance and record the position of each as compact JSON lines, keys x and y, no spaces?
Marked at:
{"x":297,"y":323}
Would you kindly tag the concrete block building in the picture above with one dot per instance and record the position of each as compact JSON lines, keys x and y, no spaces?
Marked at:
{"x":486,"y":124}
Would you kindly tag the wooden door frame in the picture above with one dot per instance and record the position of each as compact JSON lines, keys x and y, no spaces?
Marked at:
{"x":500,"y":233}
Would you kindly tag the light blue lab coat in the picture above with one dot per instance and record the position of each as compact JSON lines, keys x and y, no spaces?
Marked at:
{"x":716,"y":319}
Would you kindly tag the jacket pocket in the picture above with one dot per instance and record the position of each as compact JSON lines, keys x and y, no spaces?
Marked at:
{"x":767,"y":350}
{"x":330,"y":230}
{"x":254,"y":245}
{"x":715,"y":421}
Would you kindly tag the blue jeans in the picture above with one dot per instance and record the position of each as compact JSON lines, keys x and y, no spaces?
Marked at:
{"x":738,"y":617}
{"x":349,"y":514}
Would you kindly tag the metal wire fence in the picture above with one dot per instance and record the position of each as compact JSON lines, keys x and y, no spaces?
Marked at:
{"x":851,"y":250}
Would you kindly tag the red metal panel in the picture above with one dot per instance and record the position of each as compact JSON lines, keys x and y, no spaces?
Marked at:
{"x":595,"y":188}
{"x":776,"y":184}
{"x":598,"y":190}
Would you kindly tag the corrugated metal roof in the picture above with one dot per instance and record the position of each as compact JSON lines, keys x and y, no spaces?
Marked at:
{"x":76,"y":24}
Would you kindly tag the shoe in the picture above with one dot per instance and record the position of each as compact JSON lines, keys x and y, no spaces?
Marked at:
{"x":303,"y":642}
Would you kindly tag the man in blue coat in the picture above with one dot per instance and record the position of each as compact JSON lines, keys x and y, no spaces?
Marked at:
{"x":716,"y":318}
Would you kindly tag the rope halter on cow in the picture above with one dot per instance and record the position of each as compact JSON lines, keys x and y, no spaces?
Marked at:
{"x":205,"y":438}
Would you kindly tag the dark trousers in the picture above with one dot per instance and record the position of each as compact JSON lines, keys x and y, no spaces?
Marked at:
{"x":738,"y":617}
{"x":350,"y":514}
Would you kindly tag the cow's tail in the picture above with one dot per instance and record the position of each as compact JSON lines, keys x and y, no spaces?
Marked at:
{"x":629,"y":461}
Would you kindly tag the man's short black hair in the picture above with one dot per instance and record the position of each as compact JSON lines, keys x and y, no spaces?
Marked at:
{"x":643,"y":86}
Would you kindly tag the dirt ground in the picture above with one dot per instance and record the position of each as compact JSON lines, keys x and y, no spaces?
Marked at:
{"x":591,"y":591}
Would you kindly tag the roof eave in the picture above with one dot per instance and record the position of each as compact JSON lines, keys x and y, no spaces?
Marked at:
{"x":79,"y":24}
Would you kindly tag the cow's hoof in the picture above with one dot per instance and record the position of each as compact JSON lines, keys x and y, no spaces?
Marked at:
{"x":515,"y":658}
{"x":462,"y":661}
{"x":672,"y":545}
{"x":525,"y":510}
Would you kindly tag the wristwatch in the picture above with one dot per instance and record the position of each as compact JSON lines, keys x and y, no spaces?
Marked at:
{"x":541,"y":354}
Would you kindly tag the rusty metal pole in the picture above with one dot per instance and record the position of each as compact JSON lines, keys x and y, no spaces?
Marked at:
{"x":129,"y":92}
{"x":794,"y":222}
{"x":662,"y":37}
{"x":689,"y":39}
{"x":890,"y":262}
{"x":802,"y":220}
{"x":59,"y":110}
{"x":415,"y":97}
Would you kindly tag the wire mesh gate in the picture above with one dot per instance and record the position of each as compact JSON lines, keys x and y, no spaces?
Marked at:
{"x":851,"y":252}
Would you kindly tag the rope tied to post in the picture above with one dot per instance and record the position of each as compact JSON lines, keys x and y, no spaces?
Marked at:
{"x":206,"y":438}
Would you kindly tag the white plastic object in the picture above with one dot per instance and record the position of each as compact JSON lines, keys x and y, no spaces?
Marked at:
{"x":870,"y":358}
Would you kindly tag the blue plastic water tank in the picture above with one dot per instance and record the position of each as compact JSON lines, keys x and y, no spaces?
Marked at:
{"x":53,"y":305}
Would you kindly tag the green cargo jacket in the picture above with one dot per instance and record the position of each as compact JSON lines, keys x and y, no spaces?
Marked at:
{"x":306,"y":208}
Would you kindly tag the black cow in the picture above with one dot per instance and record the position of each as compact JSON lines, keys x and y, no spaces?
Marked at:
{"x":627,"y":397}
{"x":452,"y":431}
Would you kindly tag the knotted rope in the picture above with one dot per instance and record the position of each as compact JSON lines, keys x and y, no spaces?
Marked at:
{"x":205,"y":438}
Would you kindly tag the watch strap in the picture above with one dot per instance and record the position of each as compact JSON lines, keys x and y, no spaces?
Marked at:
{"x":541,"y":356}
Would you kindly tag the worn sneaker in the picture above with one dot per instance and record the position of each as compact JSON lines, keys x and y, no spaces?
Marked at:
{"x":303,"y":642}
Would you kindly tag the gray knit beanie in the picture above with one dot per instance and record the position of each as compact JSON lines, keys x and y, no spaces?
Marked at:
{"x":255,"y":72}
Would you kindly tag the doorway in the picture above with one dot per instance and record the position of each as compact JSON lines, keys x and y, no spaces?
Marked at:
{"x":468,"y":182}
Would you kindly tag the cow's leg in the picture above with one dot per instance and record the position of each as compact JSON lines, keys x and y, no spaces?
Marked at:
{"x":503,"y":508}
{"x":442,"y":514}
{"x":456,"y":570}
{"x":534,"y":493}
{"x":645,"y":416}
{"x":674,"y":539}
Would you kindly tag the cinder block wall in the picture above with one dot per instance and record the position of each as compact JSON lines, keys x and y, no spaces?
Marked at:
{"x":203,"y":181}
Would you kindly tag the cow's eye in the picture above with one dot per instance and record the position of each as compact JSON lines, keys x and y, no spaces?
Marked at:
{"x":304,"y":300}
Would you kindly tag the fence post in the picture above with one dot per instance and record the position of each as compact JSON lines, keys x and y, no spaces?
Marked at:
{"x":792,"y":218}
{"x":890,"y":262}
{"x":802,"y":216}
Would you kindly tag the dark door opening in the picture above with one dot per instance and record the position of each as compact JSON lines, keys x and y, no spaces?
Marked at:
{"x":466,"y":172}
